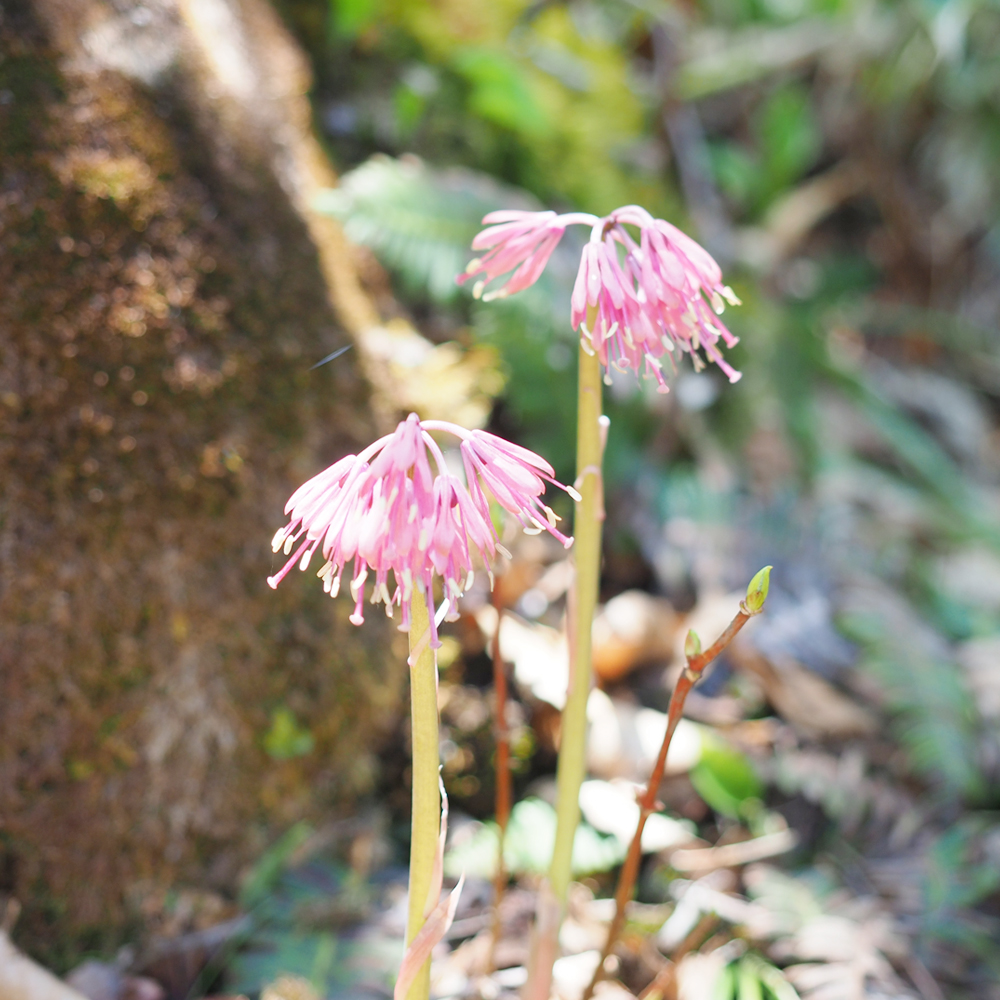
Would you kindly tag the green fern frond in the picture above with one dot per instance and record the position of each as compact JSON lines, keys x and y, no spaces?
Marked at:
{"x":418,"y":220}
{"x":753,"y":978}
{"x":935,"y":715}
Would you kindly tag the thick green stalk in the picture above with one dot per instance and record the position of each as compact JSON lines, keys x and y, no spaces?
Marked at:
{"x":587,"y":553}
{"x":426,"y":819}
{"x":572,"y":747}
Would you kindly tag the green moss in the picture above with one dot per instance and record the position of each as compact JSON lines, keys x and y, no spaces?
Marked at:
{"x":140,"y":648}
{"x":32,"y":83}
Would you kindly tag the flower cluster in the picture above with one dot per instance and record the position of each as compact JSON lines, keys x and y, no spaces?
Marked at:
{"x":386,"y":509}
{"x":633,"y":302}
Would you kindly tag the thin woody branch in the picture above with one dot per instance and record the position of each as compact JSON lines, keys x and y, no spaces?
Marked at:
{"x":697,"y":660}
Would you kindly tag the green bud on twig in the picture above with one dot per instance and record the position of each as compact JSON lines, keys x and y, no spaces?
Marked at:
{"x":757,"y":592}
{"x":692,"y":644}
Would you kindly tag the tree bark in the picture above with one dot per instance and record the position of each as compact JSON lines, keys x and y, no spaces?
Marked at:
{"x":164,"y":289}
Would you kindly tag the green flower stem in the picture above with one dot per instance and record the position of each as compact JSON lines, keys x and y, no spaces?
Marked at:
{"x":587,"y":552}
{"x":582,"y":604}
{"x":426,"y":820}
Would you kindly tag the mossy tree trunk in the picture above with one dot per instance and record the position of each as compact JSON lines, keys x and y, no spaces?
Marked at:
{"x":164,"y":290}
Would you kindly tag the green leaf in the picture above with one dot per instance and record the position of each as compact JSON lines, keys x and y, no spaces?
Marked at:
{"x":420,"y":222}
{"x":499,"y":91}
{"x":725,"y":984}
{"x":286,"y":739}
{"x":531,"y":836}
{"x":748,"y":985}
{"x":789,"y":136}
{"x":473,"y":853}
{"x":737,"y":171}
{"x":351,"y":17}
{"x":770,"y":977}
{"x":725,"y":778}
{"x":266,"y":872}
{"x":409,"y":107}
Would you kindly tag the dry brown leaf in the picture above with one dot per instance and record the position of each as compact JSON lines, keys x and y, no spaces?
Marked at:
{"x":795,"y":214}
{"x":698,"y":973}
{"x":631,"y":629}
{"x":23,"y":979}
{"x":290,"y":988}
{"x":441,"y":381}
{"x":625,"y":739}
{"x":811,"y":704}
{"x":732,"y":855}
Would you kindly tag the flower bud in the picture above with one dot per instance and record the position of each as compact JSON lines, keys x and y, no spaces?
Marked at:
{"x":757,"y":591}
{"x":692,"y":644}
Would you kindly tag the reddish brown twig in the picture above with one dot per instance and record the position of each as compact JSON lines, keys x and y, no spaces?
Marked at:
{"x":663,"y":985}
{"x":696,"y":663}
{"x":502,"y":769}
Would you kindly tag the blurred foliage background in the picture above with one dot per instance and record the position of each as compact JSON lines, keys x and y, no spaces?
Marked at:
{"x":838,"y":157}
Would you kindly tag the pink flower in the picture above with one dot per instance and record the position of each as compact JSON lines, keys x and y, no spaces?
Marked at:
{"x":647,"y":299}
{"x":522,"y":240}
{"x":661,"y":294}
{"x":387,"y":510}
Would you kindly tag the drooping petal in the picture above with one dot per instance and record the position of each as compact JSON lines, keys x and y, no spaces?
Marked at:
{"x":520,"y":242}
{"x":524,"y":455}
